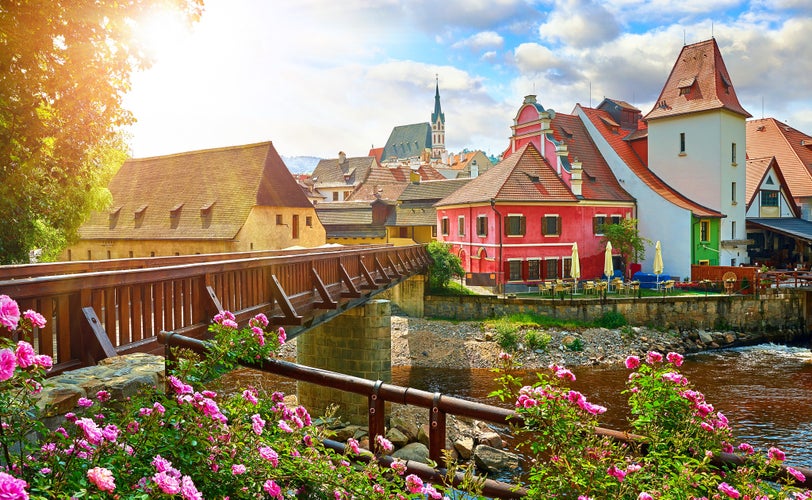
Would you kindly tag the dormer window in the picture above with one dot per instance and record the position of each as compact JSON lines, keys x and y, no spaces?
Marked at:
{"x":205,"y":210}
{"x":685,"y":85}
{"x":139,"y":212}
{"x":725,"y":82}
{"x":174,"y":212}
{"x":113,"y":215}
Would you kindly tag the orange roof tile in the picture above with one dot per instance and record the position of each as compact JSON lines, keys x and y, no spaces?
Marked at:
{"x":791,"y":148}
{"x":617,"y":140}
{"x":699,"y":81}
{"x":512,"y":179}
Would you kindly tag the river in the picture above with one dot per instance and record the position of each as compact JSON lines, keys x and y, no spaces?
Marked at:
{"x":765,"y":391}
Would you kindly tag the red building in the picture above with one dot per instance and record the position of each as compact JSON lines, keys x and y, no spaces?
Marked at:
{"x":516,"y":223}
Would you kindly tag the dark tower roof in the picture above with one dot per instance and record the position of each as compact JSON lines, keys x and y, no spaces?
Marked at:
{"x":438,"y":111}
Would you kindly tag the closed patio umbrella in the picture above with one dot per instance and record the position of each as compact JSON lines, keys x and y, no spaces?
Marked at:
{"x":608,"y":267}
{"x":658,"y":261}
{"x":575,"y":266}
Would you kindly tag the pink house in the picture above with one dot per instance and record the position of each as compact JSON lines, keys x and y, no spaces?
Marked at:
{"x":515,"y":225}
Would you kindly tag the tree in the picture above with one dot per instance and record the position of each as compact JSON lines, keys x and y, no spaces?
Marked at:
{"x":444,"y":265}
{"x":626,"y":238}
{"x":64,"y":68}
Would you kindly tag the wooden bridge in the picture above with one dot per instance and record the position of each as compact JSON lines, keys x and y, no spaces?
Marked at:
{"x":98,"y":309}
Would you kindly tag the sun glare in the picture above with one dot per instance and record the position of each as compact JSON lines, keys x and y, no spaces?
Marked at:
{"x":162,"y":32}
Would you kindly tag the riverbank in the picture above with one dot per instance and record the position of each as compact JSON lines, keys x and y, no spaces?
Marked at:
{"x":469,"y":344}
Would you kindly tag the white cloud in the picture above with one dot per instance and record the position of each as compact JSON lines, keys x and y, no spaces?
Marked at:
{"x":481,"y":41}
{"x":580,"y":24}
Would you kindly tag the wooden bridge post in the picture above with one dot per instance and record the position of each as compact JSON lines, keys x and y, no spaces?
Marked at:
{"x":357,"y":343}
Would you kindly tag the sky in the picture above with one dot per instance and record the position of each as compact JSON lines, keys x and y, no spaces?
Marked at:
{"x":321,"y":76}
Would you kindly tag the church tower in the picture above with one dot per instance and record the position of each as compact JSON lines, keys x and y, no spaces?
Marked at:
{"x":437,"y":125}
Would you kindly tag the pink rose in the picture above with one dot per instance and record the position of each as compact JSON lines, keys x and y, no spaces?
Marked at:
{"x":9,"y":312}
{"x":102,"y":478}
{"x":8,"y":362}
{"x":12,"y":488}
{"x":728,"y":490}
{"x":632,"y":362}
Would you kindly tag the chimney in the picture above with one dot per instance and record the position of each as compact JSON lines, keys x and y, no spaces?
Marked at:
{"x":545,"y":118}
{"x":575,"y":178}
{"x":561,"y":152}
{"x":342,"y":157}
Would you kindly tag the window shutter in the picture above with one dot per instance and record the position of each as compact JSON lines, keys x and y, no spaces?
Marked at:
{"x":595,"y":225}
{"x":521,"y":225}
{"x":558,"y":225}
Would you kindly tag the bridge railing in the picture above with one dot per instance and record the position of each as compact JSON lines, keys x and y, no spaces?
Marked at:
{"x":93,"y":315}
{"x":438,"y":406}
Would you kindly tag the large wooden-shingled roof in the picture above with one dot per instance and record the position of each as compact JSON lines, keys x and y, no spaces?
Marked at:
{"x":700,"y":70}
{"x":205,"y":194}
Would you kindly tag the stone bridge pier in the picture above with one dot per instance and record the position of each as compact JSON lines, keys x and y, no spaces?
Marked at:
{"x":358,"y":343}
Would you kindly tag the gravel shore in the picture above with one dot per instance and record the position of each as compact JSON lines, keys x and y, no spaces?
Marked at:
{"x":468,"y":344}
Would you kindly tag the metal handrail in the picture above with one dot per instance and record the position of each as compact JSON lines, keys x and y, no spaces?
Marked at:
{"x":438,"y":405}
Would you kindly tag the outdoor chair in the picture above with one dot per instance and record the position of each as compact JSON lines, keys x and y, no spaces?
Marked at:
{"x":729,"y":281}
{"x":545,"y":287}
{"x":668,"y":286}
{"x":589,"y":287}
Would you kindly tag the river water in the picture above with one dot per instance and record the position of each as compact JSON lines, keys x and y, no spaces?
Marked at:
{"x":765,"y":391}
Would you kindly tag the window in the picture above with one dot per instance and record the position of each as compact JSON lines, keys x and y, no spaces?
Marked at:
{"x":769,"y":198}
{"x":616,"y":219}
{"x":566,"y":265}
{"x":515,"y":225}
{"x":309,"y":221}
{"x":294,"y":227}
{"x":533,"y":270}
{"x":682,"y":142}
{"x":551,"y":225}
{"x":733,"y":153}
{"x":704,"y":230}
{"x":278,"y":219}
{"x":461,"y":225}
{"x":335,"y":195}
{"x":130,"y":254}
{"x":733,"y":230}
{"x":551,"y":269}
{"x":444,"y":225}
{"x":733,"y":193}
{"x":70,"y":255}
{"x":514,"y":270}
{"x":597,"y":224}
{"x":108,"y":255}
{"x":482,"y":225}
{"x":433,"y":231}
{"x":89,"y":255}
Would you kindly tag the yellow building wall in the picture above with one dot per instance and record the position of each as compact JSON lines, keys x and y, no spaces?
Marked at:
{"x":415,"y":234}
{"x":266,"y":232}
{"x":260,"y":232}
{"x":357,"y":241}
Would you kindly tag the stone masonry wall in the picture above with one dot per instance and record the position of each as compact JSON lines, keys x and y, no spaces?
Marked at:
{"x":781,"y":315}
{"x":358,"y":343}
{"x":408,"y":295}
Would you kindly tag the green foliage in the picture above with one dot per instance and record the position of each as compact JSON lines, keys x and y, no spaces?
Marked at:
{"x":576,"y":345}
{"x":611,"y":320}
{"x":66,"y":65}
{"x":537,"y":340}
{"x":453,"y":289}
{"x":681,"y":433}
{"x":185,"y":441}
{"x":443,"y":266}
{"x":626,"y":239}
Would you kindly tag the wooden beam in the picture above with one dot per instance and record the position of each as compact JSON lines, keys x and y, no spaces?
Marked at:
{"x":405,"y":265}
{"x":370,"y":284}
{"x":103,"y":341}
{"x":327,"y":302}
{"x":379,"y":267}
{"x":290,"y":317}
{"x":394,"y":266}
{"x":351,"y":292}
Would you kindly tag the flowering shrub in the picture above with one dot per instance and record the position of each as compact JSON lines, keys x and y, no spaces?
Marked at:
{"x":185,"y":443}
{"x":681,"y":430}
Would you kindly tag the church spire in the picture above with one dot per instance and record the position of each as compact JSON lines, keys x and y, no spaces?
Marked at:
{"x":437,"y":124}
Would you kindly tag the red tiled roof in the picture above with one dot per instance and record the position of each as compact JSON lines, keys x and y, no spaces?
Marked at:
{"x":512,"y":180}
{"x":370,"y":192}
{"x":756,"y":170}
{"x":700,"y":70}
{"x":617,"y":140}
{"x":171,"y":193}
{"x":599,"y":183}
{"x":791,"y":148}
{"x":376,"y":153}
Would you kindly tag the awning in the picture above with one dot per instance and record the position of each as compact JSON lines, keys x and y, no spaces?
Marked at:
{"x":799,"y":229}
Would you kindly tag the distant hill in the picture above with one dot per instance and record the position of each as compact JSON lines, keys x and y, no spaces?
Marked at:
{"x":300,"y":164}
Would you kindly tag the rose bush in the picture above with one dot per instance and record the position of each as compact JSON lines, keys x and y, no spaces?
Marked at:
{"x":681,"y":433}
{"x":187,"y":442}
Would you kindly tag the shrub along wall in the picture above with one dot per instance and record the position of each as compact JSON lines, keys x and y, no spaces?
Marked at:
{"x":779,"y":317}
